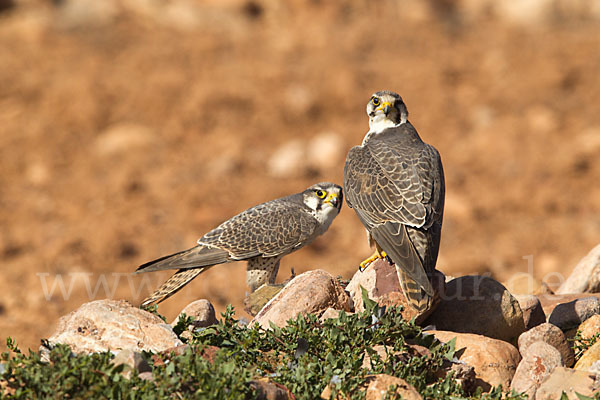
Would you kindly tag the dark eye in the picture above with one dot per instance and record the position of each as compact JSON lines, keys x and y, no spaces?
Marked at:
{"x":375,"y":101}
{"x":320,"y":193}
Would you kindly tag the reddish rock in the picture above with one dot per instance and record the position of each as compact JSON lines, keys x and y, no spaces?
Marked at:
{"x":267,"y":390}
{"x":380,"y":279}
{"x":311,"y":292}
{"x":539,"y":360}
{"x":552,"y":335}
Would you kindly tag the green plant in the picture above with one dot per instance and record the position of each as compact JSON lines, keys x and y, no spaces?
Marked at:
{"x":581,"y":344}
{"x":305,"y":356}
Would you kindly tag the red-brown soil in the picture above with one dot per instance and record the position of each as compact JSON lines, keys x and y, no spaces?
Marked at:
{"x":127,"y":140}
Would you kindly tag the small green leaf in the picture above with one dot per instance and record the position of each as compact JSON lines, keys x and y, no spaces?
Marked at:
{"x":581,"y":396}
{"x":367,"y":302}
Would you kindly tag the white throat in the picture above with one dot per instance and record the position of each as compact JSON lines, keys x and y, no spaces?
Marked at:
{"x":380,"y":124}
{"x":325,"y":216}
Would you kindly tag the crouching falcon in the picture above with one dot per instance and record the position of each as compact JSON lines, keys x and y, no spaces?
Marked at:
{"x":395,"y":183}
{"x":261,"y":235}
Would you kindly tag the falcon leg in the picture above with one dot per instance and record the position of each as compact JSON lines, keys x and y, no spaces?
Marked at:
{"x":261,"y":271}
{"x":379,"y":253}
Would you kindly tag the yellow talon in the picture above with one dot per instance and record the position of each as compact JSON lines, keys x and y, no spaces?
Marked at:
{"x":375,"y":256}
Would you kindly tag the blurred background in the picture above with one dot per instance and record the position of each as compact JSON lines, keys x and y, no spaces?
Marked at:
{"x":129,"y":128}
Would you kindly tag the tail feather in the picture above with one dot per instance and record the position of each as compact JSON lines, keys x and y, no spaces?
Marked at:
{"x":173,"y":285}
{"x":198,"y":256}
{"x":415,"y":294}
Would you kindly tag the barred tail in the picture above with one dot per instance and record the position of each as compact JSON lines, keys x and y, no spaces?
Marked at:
{"x":414,"y":293}
{"x":173,"y":285}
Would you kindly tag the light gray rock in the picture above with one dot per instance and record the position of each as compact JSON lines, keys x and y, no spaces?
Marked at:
{"x":550,"y":301}
{"x":201,"y":311}
{"x":572,"y":314}
{"x":481,"y":305}
{"x":539,"y":360}
{"x":114,"y":325}
{"x":533,"y":313}
{"x":310,"y":292}
{"x":133,"y":360}
{"x":585,"y":278}
{"x":551,"y":334}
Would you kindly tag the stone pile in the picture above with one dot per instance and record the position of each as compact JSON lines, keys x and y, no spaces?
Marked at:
{"x":523,"y":342}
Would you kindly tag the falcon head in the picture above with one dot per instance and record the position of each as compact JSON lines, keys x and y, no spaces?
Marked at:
{"x":324,"y":200}
{"x":386,"y":109}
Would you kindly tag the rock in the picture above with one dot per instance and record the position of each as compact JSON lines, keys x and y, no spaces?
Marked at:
{"x":123,"y":137}
{"x":481,"y":305}
{"x":256,"y":300}
{"x":133,"y":360}
{"x":573,"y":313}
{"x":146,"y":376}
{"x":400,"y":356}
{"x":551,"y":334}
{"x":379,"y":388}
{"x":266,"y":390}
{"x":380,"y":279}
{"x":585,"y":278}
{"x":201,"y":311}
{"x":539,"y":360}
{"x":495,"y":361}
{"x":533,"y":313}
{"x":310,"y":292}
{"x":570,"y":381}
{"x":330,"y":313}
{"x":589,"y":359}
{"x":463,"y":373}
{"x":590,"y":327}
{"x":523,"y":283}
{"x":550,"y":301}
{"x":104,"y":325}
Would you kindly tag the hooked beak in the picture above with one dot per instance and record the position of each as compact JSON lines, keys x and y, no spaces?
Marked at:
{"x":334,"y":200}
{"x":386,"y":107}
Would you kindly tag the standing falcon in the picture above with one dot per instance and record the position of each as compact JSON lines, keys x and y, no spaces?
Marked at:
{"x":261,"y":235}
{"x":395,"y":183}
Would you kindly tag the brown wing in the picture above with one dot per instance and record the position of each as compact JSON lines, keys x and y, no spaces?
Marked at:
{"x":394,"y":182}
{"x":270,"y":229}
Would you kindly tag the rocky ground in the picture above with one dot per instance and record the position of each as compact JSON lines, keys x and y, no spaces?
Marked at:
{"x":535,"y":344}
{"x":128,"y":128}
